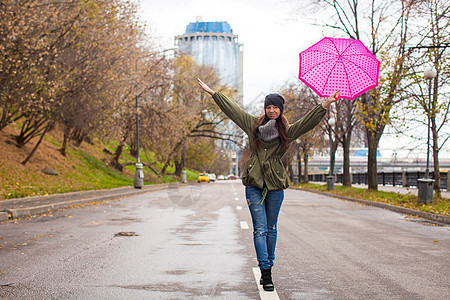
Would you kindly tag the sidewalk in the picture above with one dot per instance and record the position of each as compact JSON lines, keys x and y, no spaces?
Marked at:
{"x":412,"y":191}
{"x":29,"y":206}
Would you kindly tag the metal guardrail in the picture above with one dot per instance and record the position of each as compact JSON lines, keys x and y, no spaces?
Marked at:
{"x":404,"y":179}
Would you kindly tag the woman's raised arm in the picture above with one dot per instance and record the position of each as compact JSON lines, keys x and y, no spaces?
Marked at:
{"x":230,"y":108}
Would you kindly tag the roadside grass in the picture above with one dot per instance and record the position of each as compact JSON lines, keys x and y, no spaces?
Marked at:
{"x":439,"y":206}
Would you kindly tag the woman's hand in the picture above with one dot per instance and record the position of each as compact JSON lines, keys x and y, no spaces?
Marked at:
{"x":333,"y":98}
{"x":205,"y":87}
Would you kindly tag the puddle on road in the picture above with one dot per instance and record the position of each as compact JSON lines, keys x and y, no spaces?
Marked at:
{"x":176,"y":272}
{"x":126,"y":233}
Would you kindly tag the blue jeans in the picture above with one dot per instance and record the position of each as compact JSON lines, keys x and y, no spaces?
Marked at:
{"x":264,"y":219}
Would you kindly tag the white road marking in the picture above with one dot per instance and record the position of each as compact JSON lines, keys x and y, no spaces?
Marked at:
{"x":262,"y":293}
{"x":239,"y":207}
{"x":236,"y":198}
{"x":244,"y":225}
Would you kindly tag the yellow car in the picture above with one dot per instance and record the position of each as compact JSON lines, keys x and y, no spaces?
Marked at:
{"x":203,"y":177}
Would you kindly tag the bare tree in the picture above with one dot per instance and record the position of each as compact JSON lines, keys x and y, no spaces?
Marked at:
{"x":383,"y":24}
{"x":434,"y":45}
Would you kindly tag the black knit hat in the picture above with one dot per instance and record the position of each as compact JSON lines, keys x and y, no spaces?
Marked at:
{"x":274,"y":99}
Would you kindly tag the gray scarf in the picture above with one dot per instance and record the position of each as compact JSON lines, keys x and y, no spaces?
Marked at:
{"x":268,"y":132}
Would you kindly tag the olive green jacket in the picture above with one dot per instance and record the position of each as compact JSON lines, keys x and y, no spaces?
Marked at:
{"x":265,"y":166}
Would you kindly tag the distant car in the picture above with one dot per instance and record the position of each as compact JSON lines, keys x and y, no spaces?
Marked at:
{"x":220,"y":177}
{"x":233,"y":177}
{"x":212,"y":177}
{"x":203,"y":177}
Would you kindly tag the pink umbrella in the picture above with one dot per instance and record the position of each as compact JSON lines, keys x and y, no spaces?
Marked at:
{"x":339,"y":64}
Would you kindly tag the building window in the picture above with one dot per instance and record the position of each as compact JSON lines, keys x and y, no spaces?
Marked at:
{"x":214,"y":38}
{"x":199,"y":38}
{"x":206,"y":38}
{"x":186,"y":39}
{"x":192,"y":38}
{"x":228,"y":39}
{"x":221,"y":38}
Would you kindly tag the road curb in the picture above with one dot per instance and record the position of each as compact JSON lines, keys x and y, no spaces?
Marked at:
{"x":403,"y":210}
{"x":41,"y":209}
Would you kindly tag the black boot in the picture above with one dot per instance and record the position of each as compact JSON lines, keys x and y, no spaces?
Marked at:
{"x":267,"y":280}
{"x":261,"y":280}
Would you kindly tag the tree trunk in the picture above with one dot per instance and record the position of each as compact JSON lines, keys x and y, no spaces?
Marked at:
{"x":291,"y":171}
{"x":437,"y":174}
{"x":299,"y":161}
{"x":372,"y":176}
{"x":178,"y":167}
{"x":333,"y":149}
{"x":78,"y":137}
{"x":115,"y":160}
{"x":164,"y":168}
{"x":49,"y":125}
{"x":346,"y":180}
{"x":6,"y":116}
{"x":63,"y":149}
{"x":305,"y":160}
{"x":174,"y":151}
{"x":133,"y":143}
{"x":31,"y":128}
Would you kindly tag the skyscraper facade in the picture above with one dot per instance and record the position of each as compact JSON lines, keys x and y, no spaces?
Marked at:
{"x":214,"y":44}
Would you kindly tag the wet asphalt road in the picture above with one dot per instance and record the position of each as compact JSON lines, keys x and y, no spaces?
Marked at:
{"x":189,"y":243}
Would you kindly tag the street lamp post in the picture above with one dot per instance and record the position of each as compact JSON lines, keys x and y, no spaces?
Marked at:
{"x":139,"y":174}
{"x":295,"y":167}
{"x":330,"y":177}
{"x":183,"y":173}
{"x":429,"y":74}
{"x":426,"y":184}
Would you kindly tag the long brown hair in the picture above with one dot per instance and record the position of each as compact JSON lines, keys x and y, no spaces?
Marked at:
{"x":281,"y":125}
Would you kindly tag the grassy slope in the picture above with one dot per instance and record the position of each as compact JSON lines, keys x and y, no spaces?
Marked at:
{"x":83,"y":168}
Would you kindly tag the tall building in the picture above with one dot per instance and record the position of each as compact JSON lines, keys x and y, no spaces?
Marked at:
{"x":214,"y":44}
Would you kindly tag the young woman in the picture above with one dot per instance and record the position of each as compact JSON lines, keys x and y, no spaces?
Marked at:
{"x":264,"y":175}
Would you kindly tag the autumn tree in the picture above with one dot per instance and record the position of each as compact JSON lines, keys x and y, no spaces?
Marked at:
{"x":34,"y":34}
{"x":146,"y":87}
{"x":105,"y":39}
{"x":59,"y":64}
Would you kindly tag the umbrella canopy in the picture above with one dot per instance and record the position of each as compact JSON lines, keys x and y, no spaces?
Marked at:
{"x":339,"y":64}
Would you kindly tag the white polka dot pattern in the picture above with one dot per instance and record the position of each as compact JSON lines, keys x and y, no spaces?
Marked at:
{"x":339,"y":64}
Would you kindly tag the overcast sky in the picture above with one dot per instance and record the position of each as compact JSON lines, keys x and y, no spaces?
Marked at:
{"x":272,"y":39}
